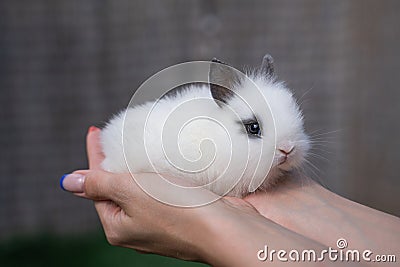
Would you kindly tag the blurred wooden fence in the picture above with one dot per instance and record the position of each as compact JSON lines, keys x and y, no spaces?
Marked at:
{"x":65,"y":65}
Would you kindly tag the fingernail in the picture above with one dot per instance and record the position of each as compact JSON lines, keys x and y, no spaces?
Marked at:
{"x":72,"y":182}
{"x":92,"y":129}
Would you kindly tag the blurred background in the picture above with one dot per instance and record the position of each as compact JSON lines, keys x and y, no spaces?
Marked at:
{"x":66,"y":65}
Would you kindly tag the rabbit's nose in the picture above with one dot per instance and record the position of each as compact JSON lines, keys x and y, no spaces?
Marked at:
{"x":286,"y":150}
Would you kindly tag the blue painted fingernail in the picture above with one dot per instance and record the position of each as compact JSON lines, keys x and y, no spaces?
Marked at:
{"x":72,"y":182}
{"x":61,"y":182}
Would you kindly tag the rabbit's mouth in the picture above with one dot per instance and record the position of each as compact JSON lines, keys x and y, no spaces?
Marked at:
{"x":282,"y":160}
{"x":285,"y":162}
{"x":285,"y":166}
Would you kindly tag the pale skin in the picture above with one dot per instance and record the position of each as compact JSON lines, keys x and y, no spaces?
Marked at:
{"x":229,"y":232}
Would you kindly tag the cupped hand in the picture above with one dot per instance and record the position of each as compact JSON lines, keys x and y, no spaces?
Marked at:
{"x":131,"y":218}
{"x":305,"y":207}
{"x":226,"y":232}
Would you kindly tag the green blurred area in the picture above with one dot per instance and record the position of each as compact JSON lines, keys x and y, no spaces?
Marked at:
{"x":88,"y":250}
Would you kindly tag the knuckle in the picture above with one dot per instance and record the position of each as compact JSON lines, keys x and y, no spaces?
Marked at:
{"x":92,"y":183}
{"x":113,"y":240}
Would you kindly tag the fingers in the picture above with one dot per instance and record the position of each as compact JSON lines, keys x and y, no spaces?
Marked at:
{"x":110,"y":192}
{"x":100,"y":185}
{"x":93,"y":148}
{"x":111,"y":217}
{"x":239,"y":203}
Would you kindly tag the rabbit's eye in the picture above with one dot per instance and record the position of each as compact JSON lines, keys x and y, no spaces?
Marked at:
{"x":253,"y":128}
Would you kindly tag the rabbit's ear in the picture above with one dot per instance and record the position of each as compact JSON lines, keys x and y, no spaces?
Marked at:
{"x":267,"y":66}
{"x":222,"y":79}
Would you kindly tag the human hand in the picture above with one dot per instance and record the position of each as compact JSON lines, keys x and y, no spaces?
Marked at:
{"x":133,"y":219}
{"x":227,"y":232}
{"x":305,"y":207}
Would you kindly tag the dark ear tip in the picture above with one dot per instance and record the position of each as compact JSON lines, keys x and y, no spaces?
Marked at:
{"x":268,"y":58}
{"x":216,"y":60}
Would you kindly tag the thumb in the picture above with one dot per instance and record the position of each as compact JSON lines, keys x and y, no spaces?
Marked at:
{"x":99,"y":185}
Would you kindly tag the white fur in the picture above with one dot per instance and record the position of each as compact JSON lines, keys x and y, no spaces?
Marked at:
{"x":145,"y":150}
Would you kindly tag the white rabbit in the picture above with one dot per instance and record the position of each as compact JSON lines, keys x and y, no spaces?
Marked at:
{"x":246,"y":138}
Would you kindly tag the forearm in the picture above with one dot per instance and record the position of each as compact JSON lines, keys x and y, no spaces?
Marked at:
{"x":311,"y":210}
{"x":235,"y":239}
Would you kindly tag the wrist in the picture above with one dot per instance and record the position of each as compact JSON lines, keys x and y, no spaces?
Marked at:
{"x":301,"y":205}
{"x":225,"y":237}
{"x":235,"y":237}
{"x":309,"y":209}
